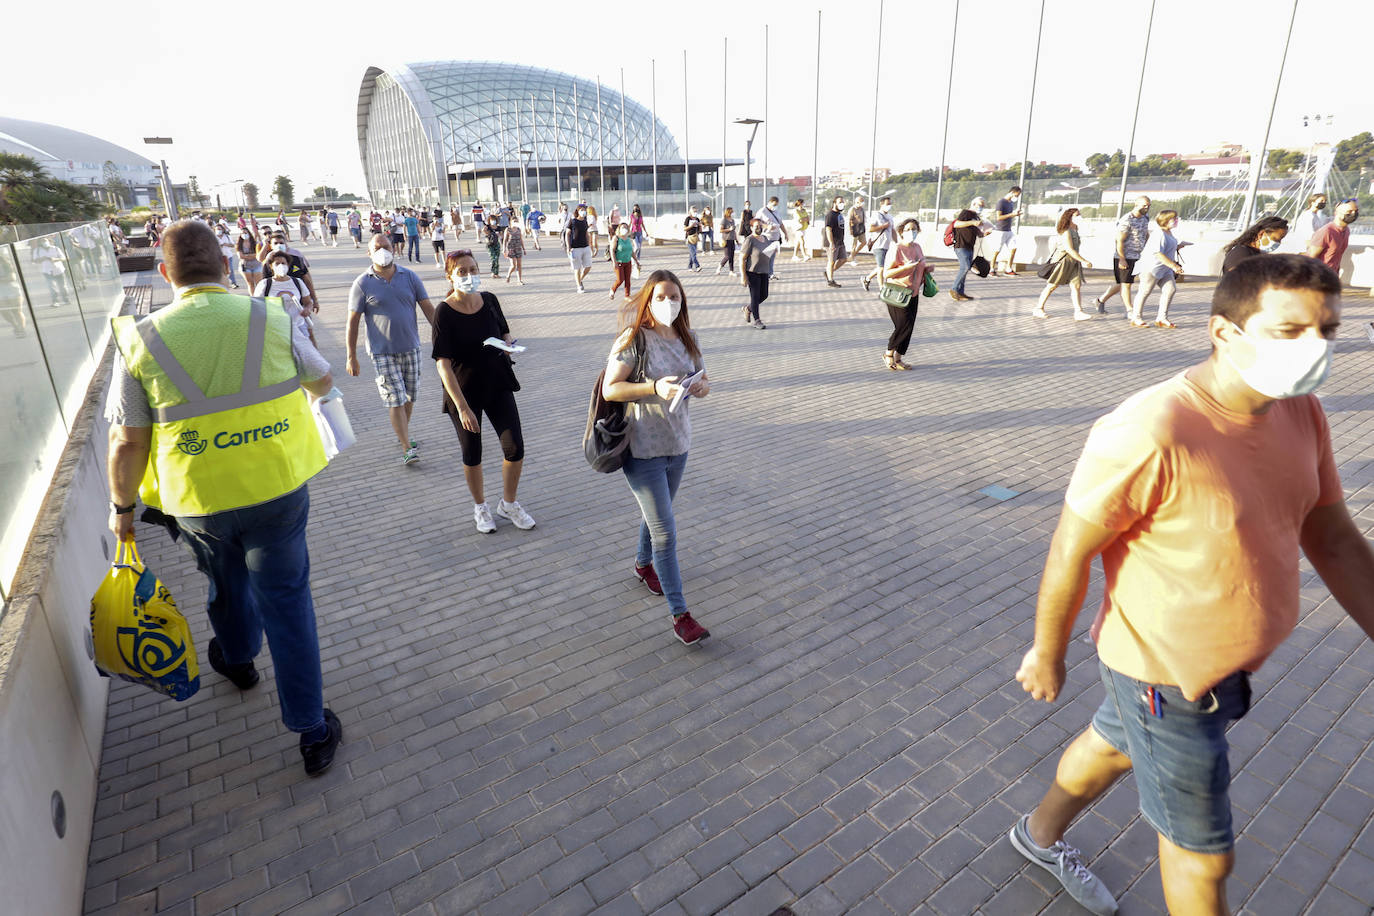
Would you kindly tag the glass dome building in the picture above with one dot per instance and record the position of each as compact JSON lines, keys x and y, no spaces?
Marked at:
{"x":443,"y":132}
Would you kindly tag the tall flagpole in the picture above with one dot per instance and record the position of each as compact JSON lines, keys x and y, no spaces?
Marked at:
{"x":505,"y":177}
{"x":653,"y":127}
{"x":686,"y":142}
{"x":538,"y":163}
{"x":724,"y":115}
{"x":1257,"y":162}
{"x":577,"y":123}
{"x":601,"y":143}
{"x":816,"y":125}
{"x":1030,"y":109}
{"x":624,"y":149}
{"x":1140,"y":86}
{"x":949,"y":92}
{"x":764,"y":201}
{"x":557,"y":151}
{"x":877,"y":81}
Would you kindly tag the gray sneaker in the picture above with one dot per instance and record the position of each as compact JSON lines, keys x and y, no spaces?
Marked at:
{"x":1066,"y":864}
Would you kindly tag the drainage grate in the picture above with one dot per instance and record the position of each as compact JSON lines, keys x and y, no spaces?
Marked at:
{"x":998,"y":493}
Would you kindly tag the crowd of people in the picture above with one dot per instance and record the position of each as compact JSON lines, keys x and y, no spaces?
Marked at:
{"x":1233,"y":424}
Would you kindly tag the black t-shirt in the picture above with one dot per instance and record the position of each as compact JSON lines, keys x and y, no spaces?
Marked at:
{"x":481,"y":370}
{"x":577,"y":233}
{"x":834,"y":221}
{"x":746,"y":223}
{"x":966,"y":236}
{"x":1236,"y":255}
{"x":692,"y":224}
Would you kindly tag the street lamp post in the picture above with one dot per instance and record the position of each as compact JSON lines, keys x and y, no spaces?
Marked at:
{"x":753,"y":124}
{"x":169,"y":201}
{"x":525,"y":155}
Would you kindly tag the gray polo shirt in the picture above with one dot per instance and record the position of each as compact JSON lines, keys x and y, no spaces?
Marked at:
{"x":388,"y":309}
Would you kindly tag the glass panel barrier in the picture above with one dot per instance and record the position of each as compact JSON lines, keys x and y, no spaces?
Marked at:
{"x":95,"y":274}
{"x":47,"y":276}
{"x":31,"y":421}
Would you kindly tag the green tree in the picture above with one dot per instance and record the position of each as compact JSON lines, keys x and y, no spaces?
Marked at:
{"x":1286,"y":161}
{"x":1355,"y":153}
{"x":28,"y":194}
{"x":114,"y":185}
{"x":193,"y":191}
{"x":250,"y":195}
{"x":284,"y":191}
{"x":325,"y":192}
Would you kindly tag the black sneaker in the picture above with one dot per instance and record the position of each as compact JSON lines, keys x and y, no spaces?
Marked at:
{"x":241,"y":676}
{"x":867,"y":282}
{"x":832,"y":284}
{"x":320,"y":755}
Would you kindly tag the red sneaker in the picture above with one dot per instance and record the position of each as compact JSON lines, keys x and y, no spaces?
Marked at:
{"x":647,"y":575}
{"x":688,"y":630}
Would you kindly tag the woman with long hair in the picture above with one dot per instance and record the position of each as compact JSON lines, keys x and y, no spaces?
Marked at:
{"x":1161,"y":267}
{"x":728,"y":235}
{"x":1068,"y":267}
{"x":247,"y":247}
{"x":637,"y":233}
{"x":756,"y":269}
{"x":658,"y":336}
{"x":477,"y":380}
{"x":1266,"y":235}
{"x":514,"y":244}
{"x":591,"y":229}
{"x":800,"y":251}
{"x":906,"y":267}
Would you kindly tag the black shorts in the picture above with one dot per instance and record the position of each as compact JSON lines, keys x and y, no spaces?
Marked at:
{"x":1121,"y":270}
{"x":438,"y":245}
{"x":333,"y":230}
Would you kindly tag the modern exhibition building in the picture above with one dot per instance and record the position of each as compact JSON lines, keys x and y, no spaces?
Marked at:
{"x":70,"y":155}
{"x":444,"y":132}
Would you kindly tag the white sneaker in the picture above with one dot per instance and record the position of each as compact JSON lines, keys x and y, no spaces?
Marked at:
{"x":481,"y":516}
{"x":1066,"y":864}
{"x":516,"y":513}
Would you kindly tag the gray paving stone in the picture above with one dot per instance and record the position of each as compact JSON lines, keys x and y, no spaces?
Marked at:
{"x":855,"y":704}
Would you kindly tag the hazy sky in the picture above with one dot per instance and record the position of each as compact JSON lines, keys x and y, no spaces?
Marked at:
{"x":1210,"y":77}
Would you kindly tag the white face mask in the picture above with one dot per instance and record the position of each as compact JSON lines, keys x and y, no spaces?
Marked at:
{"x":382,"y":257}
{"x":280,"y":270}
{"x":1285,"y":367}
{"x":908,"y":237}
{"x":1271,"y":245}
{"x":887,"y":208}
{"x":467,"y":284}
{"x":665,"y":311}
{"x":280,"y":246}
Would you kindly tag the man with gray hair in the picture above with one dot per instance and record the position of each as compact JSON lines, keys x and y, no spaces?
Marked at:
{"x":1132,"y":230}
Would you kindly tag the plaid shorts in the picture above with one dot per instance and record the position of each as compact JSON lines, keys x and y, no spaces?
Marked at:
{"x":398,"y":376}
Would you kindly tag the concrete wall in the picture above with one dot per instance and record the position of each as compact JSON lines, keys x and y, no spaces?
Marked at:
{"x":52,"y":701}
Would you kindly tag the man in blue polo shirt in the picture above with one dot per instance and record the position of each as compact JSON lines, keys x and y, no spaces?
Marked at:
{"x":385,"y":296}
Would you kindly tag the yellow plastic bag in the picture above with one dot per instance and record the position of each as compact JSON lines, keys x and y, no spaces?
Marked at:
{"x":139,"y":634}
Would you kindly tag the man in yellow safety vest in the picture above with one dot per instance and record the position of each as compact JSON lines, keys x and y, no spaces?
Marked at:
{"x":210,"y":426}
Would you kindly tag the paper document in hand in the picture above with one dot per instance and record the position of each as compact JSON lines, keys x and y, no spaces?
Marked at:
{"x":682,"y":393}
{"x":500,"y":344}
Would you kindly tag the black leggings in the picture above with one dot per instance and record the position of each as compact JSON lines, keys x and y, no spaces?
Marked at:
{"x":505,"y":419}
{"x":903,"y":320}
{"x":728,"y":259}
{"x":758,"y":291}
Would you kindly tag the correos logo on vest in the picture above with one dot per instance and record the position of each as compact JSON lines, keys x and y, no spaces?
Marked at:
{"x":190,"y":443}
{"x":249,"y":436}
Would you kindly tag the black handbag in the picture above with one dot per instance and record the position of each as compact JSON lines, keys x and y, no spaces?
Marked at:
{"x":1048,"y":267}
{"x":981,"y":266}
{"x":607,"y":436}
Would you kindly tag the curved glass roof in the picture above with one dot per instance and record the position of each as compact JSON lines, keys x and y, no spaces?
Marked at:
{"x":489,"y":110}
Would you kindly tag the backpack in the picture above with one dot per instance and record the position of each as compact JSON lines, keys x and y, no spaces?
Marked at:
{"x":607,"y":436}
{"x":949,"y":235}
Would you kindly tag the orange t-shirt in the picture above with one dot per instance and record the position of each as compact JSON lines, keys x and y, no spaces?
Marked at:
{"x":1203,"y":580}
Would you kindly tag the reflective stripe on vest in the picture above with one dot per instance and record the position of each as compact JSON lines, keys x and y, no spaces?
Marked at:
{"x":250,"y":392}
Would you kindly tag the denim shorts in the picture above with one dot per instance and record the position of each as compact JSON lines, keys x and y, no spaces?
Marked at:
{"x":1182,"y":772}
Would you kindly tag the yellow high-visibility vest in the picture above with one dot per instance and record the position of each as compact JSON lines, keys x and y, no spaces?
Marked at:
{"x":231,"y":425}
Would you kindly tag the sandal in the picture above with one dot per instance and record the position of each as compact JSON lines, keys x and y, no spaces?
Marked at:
{"x":888,"y":360}
{"x":897,"y":363}
{"x":1165,"y":323}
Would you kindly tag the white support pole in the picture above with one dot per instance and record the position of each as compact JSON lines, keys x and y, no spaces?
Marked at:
{"x":816,"y":125}
{"x":686,"y":142}
{"x":557,"y":151}
{"x":949,"y":93}
{"x":624,"y":148}
{"x":1257,"y":161}
{"x":577,"y":123}
{"x":764,"y":201}
{"x":600,"y":144}
{"x":1030,"y":109}
{"x":1140,"y":86}
{"x":877,"y":82}
{"x":724,"y":115}
{"x":653,"y":117}
{"x":538,"y":163}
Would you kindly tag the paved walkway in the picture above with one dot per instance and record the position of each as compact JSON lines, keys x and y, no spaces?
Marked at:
{"x":523,"y":734}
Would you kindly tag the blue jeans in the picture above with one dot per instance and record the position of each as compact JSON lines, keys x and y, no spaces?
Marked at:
{"x":412,"y":247}
{"x":1180,"y":760}
{"x":965,"y":256}
{"x":259,"y":571}
{"x":708,"y":238}
{"x":654,"y":483}
{"x":692,"y":256}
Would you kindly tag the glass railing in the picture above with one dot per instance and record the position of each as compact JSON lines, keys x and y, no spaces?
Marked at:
{"x":58,"y":291}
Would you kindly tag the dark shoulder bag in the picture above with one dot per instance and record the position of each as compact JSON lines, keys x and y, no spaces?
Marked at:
{"x":607,"y":436}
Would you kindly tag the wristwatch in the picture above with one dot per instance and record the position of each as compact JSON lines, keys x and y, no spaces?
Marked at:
{"x":122,"y":510}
